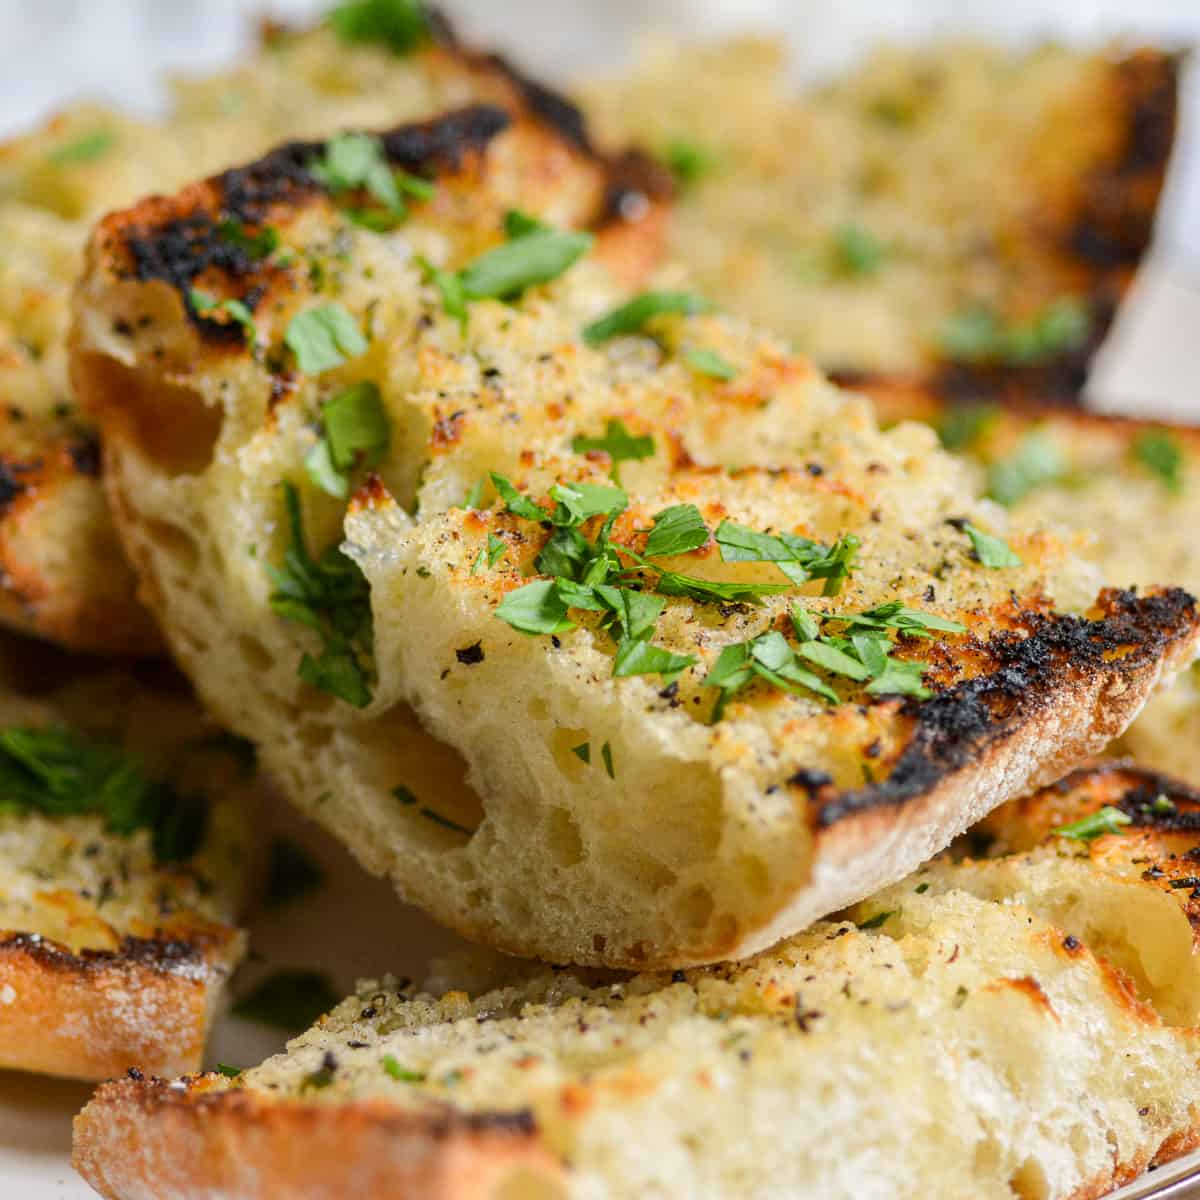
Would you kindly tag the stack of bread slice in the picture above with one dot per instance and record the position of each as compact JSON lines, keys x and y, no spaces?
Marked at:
{"x":604,"y":625}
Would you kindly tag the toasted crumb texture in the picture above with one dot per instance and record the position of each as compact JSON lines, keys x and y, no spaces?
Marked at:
{"x":1130,"y":488}
{"x":111,"y":957}
{"x":62,"y":573}
{"x":893,"y":218}
{"x":563,"y":812}
{"x":1020,"y":1026}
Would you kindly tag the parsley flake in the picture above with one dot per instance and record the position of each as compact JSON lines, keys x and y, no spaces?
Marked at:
{"x":964,"y":424}
{"x":1161,"y":453}
{"x":618,"y":443}
{"x":204,"y":303}
{"x":401,"y":26}
{"x":689,"y":161}
{"x":634,"y":316}
{"x":356,"y":434}
{"x":84,"y":149}
{"x":708,"y":362}
{"x":392,"y":1067}
{"x":878,"y":919}
{"x":1106,"y":820}
{"x":583,"y":752}
{"x":1037,"y":461}
{"x":677,"y":530}
{"x":323,"y":338}
{"x":857,"y":252}
{"x":490,"y":554}
{"x":991,"y":551}
{"x":536,"y":608}
{"x":331,"y":596}
{"x":606,"y":756}
{"x":505,"y":271}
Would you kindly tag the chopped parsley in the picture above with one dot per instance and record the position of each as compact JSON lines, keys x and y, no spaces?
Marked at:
{"x":583,"y":752}
{"x":634,"y":316}
{"x":979,"y":335}
{"x":618,"y":443}
{"x":259,"y":245}
{"x":228,"y":1071}
{"x":861,"y":651}
{"x":290,"y":999}
{"x":857,"y":252}
{"x":708,"y":362}
{"x":798,"y":558}
{"x":606,"y":756}
{"x":1160,"y":452}
{"x":991,"y":551}
{"x":401,"y":26}
{"x":58,"y":772}
{"x":323,"y":338}
{"x":627,"y":587}
{"x":84,"y":149}
{"x":689,"y":161}
{"x":1037,"y":461}
{"x":354,"y":161}
{"x":291,"y":873}
{"x":1106,"y":820}
{"x":490,"y":555}
{"x":391,"y":1066}
{"x":331,"y":597}
{"x":356,"y":434}
{"x":533,"y":254}
{"x":878,"y":919}
{"x":964,"y":424}
{"x":205,"y":304}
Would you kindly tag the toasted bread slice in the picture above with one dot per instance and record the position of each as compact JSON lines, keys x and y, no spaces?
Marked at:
{"x":1131,"y":487}
{"x":730,"y":833}
{"x":124,"y":825}
{"x":1015,"y":1026}
{"x":955,"y":211}
{"x":62,"y":575}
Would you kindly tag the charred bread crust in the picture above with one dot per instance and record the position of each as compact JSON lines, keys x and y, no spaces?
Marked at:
{"x":140,"y":1138}
{"x":90,"y":1015}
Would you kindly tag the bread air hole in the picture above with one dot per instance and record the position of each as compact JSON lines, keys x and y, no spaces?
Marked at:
{"x":171,"y":425}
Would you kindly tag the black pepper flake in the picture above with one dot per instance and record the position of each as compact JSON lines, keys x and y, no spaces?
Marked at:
{"x":678,"y":977}
{"x":1071,"y":943}
{"x":367,"y":1013}
{"x":814,"y":469}
{"x":1152,"y":873}
{"x":810,"y":780}
{"x":469,"y":656}
{"x":135,"y":1074}
{"x":805,"y":1016}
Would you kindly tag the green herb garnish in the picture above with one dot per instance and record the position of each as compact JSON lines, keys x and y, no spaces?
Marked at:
{"x":676,"y":530}
{"x":258,"y":245}
{"x":490,"y":555}
{"x":1106,"y":820}
{"x":991,"y":551}
{"x":291,"y":873}
{"x":86,"y":148}
{"x":290,"y":999}
{"x":1161,"y":453}
{"x":392,"y":1067}
{"x":329,"y":595}
{"x":964,"y":424}
{"x":689,"y":161}
{"x":618,"y":443}
{"x":505,"y":271}
{"x":978,"y":335}
{"x":358,"y":160}
{"x":710,"y":363}
{"x":857,"y":252}
{"x":878,"y":919}
{"x":606,"y":756}
{"x":356,"y":435}
{"x":402,"y":26}
{"x":237,"y":310}
{"x":228,"y":1071}
{"x":797,"y":557}
{"x":1037,"y":461}
{"x":634,"y":316}
{"x":583,"y":752}
{"x":60,"y":773}
{"x":323,"y":338}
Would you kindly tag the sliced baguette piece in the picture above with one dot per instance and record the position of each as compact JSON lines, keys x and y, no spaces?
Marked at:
{"x":62,"y":575}
{"x":971,"y":1031}
{"x":1130,"y":487}
{"x":565,"y":814}
{"x":117,"y":926}
{"x":957,"y":211}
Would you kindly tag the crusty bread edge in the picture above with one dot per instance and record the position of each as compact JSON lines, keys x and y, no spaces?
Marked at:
{"x":148,"y":1004}
{"x":147,"y":1139}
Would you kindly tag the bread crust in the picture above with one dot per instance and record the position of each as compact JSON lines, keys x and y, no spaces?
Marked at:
{"x":153,"y":1140}
{"x":93,"y":1014}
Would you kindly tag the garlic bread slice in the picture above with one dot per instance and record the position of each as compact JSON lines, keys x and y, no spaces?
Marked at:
{"x":957,"y":212}
{"x":368,"y":481}
{"x":62,"y":575}
{"x":124,"y":846}
{"x":1001,"y":1028}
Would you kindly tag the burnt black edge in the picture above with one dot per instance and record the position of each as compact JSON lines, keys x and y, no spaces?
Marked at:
{"x":165,"y":955}
{"x":956,"y":726}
